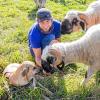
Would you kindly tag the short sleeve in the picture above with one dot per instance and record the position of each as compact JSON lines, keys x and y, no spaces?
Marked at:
{"x":34,"y":39}
{"x":57,"y":30}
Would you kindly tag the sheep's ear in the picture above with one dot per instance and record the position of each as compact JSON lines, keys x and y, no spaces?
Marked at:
{"x":82,"y":24}
{"x":25,"y":71}
{"x":82,"y":16}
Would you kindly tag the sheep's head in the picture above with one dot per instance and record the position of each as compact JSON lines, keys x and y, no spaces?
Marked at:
{"x":51,"y":58}
{"x":72,"y":22}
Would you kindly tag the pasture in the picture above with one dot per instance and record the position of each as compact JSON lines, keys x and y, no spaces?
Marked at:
{"x":16,"y":18}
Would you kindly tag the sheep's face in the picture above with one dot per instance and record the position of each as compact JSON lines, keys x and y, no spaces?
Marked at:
{"x":48,"y":64}
{"x":72,"y":23}
{"x":50,"y":59}
{"x":66,"y":27}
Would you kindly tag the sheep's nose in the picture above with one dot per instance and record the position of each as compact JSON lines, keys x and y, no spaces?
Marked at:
{"x":47,"y":67}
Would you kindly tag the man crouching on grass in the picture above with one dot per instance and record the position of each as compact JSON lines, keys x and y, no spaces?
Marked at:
{"x":45,"y":31}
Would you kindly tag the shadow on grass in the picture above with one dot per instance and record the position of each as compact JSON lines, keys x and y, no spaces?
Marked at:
{"x":63,"y":2}
{"x":26,"y":92}
{"x":32,"y":14}
{"x":81,"y":1}
{"x":56,"y":83}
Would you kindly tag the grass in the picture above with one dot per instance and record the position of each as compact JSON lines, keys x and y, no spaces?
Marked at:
{"x":16,"y":17}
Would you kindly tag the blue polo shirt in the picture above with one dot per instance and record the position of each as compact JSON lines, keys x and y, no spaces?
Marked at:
{"x":36,"y":35}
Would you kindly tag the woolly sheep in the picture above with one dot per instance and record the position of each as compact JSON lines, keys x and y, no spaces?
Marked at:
{"x":76,"y":20}
{"x":84,"y":50}
{"x":40,"y":3}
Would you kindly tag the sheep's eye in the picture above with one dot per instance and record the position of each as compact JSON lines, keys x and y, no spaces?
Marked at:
{"x":51,"y":59}
{"x":74,"y":21}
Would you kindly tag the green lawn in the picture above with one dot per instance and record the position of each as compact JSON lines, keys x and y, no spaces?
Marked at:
{"x":16,"y":18}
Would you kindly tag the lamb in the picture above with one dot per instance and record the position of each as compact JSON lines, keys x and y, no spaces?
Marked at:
{"x":76,"y":20}
{"x":20,"y":74}
{"x":40,"y":3}
{"x":85,"y":50}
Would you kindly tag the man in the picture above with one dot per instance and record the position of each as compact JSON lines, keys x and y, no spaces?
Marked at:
{"x":46,"y":30}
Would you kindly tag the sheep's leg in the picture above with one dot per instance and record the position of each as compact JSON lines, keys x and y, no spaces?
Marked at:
{"x":43,"y":3}
{"x":88,"y":75}
{"x":37,"y":3}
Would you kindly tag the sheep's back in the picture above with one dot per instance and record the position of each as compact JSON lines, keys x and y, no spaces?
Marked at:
{"x":95,"y":5}
{"x":92,"y":41}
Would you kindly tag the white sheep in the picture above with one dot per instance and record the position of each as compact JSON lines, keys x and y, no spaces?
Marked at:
{"x":76,"y":20}
{"x":84,"y":50}
{"x":40,"y":3}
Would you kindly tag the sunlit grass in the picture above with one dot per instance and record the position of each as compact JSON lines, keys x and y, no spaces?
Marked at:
{"x":16,"y":18}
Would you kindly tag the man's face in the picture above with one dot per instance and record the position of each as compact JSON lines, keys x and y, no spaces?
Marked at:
{"x":45,"y":25}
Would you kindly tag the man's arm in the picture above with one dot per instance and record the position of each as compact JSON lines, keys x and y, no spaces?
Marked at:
{"x":37,"y":53}
{"x":58,"y":39}
{"x":55,"y":41}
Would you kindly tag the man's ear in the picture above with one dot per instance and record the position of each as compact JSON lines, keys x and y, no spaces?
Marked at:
{"x":25,"y":71}
{"x":60,"y":20}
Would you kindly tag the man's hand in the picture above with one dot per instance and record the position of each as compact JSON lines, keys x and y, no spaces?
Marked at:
{"x":38,"y":61}
{"x":55,"y":41}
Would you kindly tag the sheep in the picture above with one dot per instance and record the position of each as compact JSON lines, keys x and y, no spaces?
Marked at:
{"x":76,"y":20}
{"x":20,"y":74}
{"x":85,"y":50}
{"x":40,"y":3}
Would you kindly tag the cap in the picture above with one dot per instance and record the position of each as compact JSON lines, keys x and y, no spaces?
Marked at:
{"x":43,"y":14}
